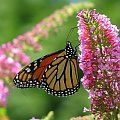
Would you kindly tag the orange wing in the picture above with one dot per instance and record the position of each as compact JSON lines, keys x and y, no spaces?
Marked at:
{"x":32,"y":74}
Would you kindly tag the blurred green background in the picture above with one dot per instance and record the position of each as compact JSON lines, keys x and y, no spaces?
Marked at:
{"x":18,"y":17}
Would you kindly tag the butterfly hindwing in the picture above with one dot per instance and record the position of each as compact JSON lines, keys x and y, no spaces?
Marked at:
{"x":61,"y":77}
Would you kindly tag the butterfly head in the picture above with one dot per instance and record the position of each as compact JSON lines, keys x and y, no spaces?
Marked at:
{"x":70,"y":51}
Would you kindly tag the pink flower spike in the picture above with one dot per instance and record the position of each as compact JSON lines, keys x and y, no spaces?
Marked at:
{"x":100,"y":48}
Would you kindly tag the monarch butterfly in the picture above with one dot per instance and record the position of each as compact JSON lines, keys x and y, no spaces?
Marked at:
{"x":56,"y":73}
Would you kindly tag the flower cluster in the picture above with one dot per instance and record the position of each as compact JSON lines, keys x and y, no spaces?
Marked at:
{"x":11,"y":59}
{"x":100,"y":62}
{"x":27,"y":41}
{"x":3,"y":94}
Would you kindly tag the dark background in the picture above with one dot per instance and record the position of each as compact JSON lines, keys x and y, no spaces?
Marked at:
{"x":20,"y":16}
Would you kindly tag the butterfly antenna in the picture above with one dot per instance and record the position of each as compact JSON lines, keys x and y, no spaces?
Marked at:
{"x":77,"y":46}
{"x":71,"y":30}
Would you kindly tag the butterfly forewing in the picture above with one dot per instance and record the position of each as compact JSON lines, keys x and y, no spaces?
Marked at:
{"x":56,"y":73}
{"x":32,"y":74}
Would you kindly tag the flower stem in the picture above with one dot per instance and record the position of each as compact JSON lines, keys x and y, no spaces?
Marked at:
{"x":115,"y":113}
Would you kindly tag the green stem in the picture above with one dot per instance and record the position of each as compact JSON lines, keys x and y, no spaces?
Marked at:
{"x":49,"y":116}
{"x":115,"y":114}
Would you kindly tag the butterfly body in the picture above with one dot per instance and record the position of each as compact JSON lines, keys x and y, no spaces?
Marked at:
{"x":56,"y":73}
